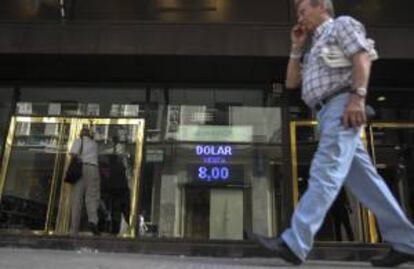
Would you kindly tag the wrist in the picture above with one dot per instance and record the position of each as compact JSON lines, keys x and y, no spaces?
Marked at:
{"x":357,"y":99}
{"x":359,"y":91}
{"x":295,"y":55}
{"x":296,"y":48}
{"x":296,"y":51}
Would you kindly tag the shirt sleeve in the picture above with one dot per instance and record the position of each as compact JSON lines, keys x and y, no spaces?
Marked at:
{"x":75,"y":147}
{"x":351,"y":36}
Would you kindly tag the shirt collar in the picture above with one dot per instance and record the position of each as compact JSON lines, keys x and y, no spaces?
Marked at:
{"x":321,"y":28}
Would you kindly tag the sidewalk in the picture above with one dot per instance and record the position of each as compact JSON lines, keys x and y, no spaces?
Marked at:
{"x":89,"y":259}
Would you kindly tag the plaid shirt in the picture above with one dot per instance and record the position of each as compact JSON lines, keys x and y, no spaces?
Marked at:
{"x":320,"y":80}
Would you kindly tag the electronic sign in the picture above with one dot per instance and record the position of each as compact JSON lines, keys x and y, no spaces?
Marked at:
{"x":214,"y":165}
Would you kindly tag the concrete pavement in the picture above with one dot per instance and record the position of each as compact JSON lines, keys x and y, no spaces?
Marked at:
{"x":13,"y":258}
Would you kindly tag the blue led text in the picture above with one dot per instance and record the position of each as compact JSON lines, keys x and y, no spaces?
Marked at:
{"x":213,"y":150}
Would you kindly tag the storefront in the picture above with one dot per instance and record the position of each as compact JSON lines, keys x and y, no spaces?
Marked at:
{"x":194,"y":171}
{"x":219,"y":166}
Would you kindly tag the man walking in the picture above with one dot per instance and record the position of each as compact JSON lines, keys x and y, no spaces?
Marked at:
{"x":335,"y":86}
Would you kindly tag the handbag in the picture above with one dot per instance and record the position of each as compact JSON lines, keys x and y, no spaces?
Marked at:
{"x":74,"y":172}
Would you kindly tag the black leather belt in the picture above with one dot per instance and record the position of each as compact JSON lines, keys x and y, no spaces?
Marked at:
{"x":325,"y":100}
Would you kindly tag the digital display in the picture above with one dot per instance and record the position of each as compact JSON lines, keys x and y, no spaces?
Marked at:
{"x":207,"y":173}
{"x":216,"y":173}
{"x":214,"y":150}
{"x":215,"y":165}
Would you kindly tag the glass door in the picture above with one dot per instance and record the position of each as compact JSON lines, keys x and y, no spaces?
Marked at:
{"x":34,"y":197}
{"x":392,"y":146}
{"x":347,"y":220}
{"x":120,"y":144}
{"x":31,"y":169}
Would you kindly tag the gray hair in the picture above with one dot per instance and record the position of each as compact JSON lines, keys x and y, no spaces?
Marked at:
{"x":328,"y":4}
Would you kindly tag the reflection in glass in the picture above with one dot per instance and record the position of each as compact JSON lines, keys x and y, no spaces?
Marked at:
{"x":233,"y":124}
{"x":115,"y":193}
{"x":74,"y":108}
{"x":29,"y":184}
{"x":34,"y":198}
{"x":393,"y":154}
{"x":187,"y":195}
{"x":340,"y":212}
{"x":6,"y":104}
{"x":212,"y":175}
{"x":117,"y":144}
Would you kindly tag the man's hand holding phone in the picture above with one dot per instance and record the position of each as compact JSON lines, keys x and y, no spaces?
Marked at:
{"x":298,"y":37}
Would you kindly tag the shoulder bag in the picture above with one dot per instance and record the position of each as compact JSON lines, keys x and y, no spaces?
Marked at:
{"x":74,"y":172}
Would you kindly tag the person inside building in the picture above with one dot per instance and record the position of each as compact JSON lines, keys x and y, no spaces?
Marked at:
{"x":87,"y":188}
{"x":115,"y":185}
{"x":333,"y":73}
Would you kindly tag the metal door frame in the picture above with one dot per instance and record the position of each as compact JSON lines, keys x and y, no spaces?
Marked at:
{"x":370,"y":234}
{"x":64,"y":201}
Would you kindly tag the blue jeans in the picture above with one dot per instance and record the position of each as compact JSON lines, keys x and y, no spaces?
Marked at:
{"x":341,"y":158}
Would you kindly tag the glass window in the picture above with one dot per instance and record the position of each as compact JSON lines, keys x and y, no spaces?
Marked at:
{"x":6,"y":99}
{"x":393,"y":151}
{"x":391,"y":104}
{"x":233,"y":124}
{"x":82,"y":102}
{"x":218,"y":172}
{"x":213,"y":161}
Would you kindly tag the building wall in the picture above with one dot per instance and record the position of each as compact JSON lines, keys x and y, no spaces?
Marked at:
{"x":207,"y":46}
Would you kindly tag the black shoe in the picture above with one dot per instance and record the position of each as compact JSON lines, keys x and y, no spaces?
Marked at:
{"x":94,"y":228}
{"x":279,"y":248}
{"x":392,"y":259}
